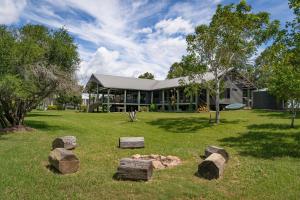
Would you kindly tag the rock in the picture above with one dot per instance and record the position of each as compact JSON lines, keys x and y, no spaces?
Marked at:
{"x":162,"y":157}
{"x":63,"y":160}
{"x":157,"y":164}
{"x":174,"y":158}
{"x":67,"y":142}
{"x":136,"y":156}
{"x":154,"y":156}
{"x":214,"y":149}
{"x":159,"y":161}
{"x":171,"y":161}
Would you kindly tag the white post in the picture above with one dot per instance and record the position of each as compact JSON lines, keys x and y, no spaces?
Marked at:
{"x":139,"y":100}
{"x":108,"y":94}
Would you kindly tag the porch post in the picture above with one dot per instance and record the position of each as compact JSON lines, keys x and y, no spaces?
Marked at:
{"x":102,"y":101}
{"x":97,"y":97}
{"x":108,"y":105}
{"x":163,"y":100}
{"x":125,"y":95}
{"x":177,"y":102}
{"x":248,"y":95}
{"x":196,"y":99}
{"x":191,"y":103}
{"x":139,"y":100}
{"x":207,"y":100}
{"x":89,"y":103}
{"x":151,"y":97}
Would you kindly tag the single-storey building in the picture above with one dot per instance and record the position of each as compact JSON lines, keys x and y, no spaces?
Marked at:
{"x":262,"y":99}
{"x":125,"y":93}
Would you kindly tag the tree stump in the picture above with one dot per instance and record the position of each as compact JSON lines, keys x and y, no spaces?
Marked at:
{"x":214,"y":149}
{"x":131,"y":142}
{"x":132,"y":169}
{"x":67,"y":142}
{"x":63,"y":160}
{"x":212,"y":167}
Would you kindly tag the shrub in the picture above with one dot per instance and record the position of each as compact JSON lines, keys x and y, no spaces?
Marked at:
{"x":144,"y":109}
{"x":153,"y":107}
{"x":52,"y":107}
{"x":83,"y":108}
{"x":61,"y":107}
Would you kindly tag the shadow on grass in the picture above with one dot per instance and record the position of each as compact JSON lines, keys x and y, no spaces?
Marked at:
{"x":267,"y":141}
{"x":274,"y":114}
{"x":2,"y":133}
{"x":41,"y":125}
{"x":53,"y":169}
{"x":186,"y":125}
{"x":116,"y":177}
{"x":42,"y":115}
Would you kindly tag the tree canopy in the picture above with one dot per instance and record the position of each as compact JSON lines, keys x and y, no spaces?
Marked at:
{"x":147,"y":75}
{"x":227,"y":42}
{"x":280,"y":63}
{"x":35,"y":62}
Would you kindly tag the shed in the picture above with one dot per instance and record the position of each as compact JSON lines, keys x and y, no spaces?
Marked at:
{"x":262,"y":99}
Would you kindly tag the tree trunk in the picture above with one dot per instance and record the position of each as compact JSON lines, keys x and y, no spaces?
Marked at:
{"x":217,"y":100}
{"x":65,"y":161}
{"x":293,"y":114}
{"x":3,"y":122}
{"x":212,"y":167}
{"x":132,"y":169}
{"x":131,"y":142}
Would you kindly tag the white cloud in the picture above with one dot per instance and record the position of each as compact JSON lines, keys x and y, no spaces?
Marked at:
{"x":145,"y":30}
{"x":120,"y":41}
{"x":10,"y":10}
{"x":199,"y":12}
{"x":178,"y":25}
{"x":99,"y":61}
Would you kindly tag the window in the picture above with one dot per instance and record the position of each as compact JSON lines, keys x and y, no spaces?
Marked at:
{"x":227,"y":93}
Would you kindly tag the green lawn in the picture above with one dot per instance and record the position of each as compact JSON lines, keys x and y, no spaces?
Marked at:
{"x":264,"y":163}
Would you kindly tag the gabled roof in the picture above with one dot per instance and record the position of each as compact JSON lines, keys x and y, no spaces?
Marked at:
{"x":119,"y":82}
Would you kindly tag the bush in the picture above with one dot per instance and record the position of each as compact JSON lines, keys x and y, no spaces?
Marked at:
{"x":52,"y":107}
{"x":83,"y":108}
{"x":56,"y":107}
{"x":61,"y":107}
{"x":153,"y":107}
{"x":144,"y":109}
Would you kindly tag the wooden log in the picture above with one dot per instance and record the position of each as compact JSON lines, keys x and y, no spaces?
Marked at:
{"x":132,"y":169}
{"x":63,"y":160}
{"x":67,"y":142}
{"x":214,"y":149}
{"x":212,"y":167}
{"x":131,"y":142}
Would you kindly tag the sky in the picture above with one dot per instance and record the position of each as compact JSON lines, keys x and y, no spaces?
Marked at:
{"x":127,"y":37}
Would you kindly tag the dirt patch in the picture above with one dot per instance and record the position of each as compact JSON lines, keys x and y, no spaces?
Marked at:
{"x":20,"y":128}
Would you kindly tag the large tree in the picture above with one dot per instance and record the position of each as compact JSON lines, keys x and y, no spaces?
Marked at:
{"x":280,"y":63}
{"x":229,"y":41}
{"x":35,"y":62}
{"x":147,"y":75}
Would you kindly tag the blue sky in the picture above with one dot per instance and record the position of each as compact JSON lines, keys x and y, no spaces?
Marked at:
{"x":126,"y":37}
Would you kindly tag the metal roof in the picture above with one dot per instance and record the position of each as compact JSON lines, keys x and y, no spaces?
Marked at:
{"x":119,"y":82}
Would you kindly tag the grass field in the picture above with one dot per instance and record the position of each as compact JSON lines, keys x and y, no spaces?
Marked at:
{"x":264,"y":164}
